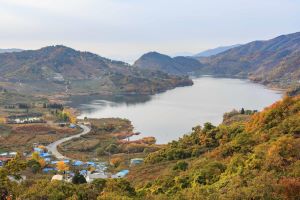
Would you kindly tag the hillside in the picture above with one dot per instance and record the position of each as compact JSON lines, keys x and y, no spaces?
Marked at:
{"x":60,"y":69}
{"x":215,"y":51}
{"x":271,"y":62}
{"x":256,"y":158}
{"x":179,"y":65}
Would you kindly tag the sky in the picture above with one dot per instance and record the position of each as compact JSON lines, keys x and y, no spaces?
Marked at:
{"x":126,"y":29}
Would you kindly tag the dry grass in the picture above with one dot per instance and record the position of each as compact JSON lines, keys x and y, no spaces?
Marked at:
{"x":22,"y":137}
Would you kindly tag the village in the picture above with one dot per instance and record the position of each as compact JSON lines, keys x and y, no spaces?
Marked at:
{"x":46,"y":159}
{"x":65,"y":169}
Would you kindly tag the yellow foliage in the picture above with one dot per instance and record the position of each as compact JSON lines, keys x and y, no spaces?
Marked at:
{"x":42,"y":162}
{"x":2,"y":120}
{"x":70,"y":115}
{"x":35,"y":156}
{"x":61,"y":166}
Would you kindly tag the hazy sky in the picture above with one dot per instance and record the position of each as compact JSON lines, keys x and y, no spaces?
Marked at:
{"x":125,"y":29}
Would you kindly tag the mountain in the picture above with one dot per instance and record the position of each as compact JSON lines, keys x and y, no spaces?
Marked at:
{"x":215,"y":51}
{"x":272,"y":62}
{"x":60,"y":68}
{"x":179,"y":65}
{"x":10,"y":50}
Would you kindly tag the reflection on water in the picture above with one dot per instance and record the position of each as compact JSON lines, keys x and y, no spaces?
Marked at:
{"x":102,"y":101}
{"x":167,"y":116}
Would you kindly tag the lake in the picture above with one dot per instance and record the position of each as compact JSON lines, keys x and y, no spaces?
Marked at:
{"x":169,"y":115}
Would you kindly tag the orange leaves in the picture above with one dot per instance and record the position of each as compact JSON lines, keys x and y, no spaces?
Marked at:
{"x":290,"y":187}
{"x":116,"y":161}
{"x":274,"y":115}
{"x":62,"y":166}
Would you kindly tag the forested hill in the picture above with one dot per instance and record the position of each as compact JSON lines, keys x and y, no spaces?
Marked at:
{"x":58,"y":67}
{"x":275,"y":61}
{"x":179,"y":65}
{"x":249,"y":156}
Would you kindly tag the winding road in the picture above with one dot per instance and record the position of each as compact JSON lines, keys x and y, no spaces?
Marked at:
{"x":53,"y":146}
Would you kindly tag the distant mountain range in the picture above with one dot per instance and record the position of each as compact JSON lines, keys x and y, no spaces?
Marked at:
{"x":60,"y":69}
{"x":274,"y":62}
{"x":215,"y":51}
{"x":10,"y":50}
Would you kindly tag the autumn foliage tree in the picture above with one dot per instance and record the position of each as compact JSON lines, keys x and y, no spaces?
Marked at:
{"x":62,"y":166}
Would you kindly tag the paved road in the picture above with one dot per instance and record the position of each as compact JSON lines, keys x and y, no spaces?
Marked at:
{"x":53,"y":146}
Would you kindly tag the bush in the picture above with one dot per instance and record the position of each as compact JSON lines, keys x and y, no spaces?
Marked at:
{"x":181,"y":165}
{"x":78,"y":179}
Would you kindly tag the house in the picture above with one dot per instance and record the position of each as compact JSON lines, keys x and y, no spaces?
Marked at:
{"x":77,"y":163}
{"x":25,"y":119}
{"x":92,"y":176}
{"x":121,"y":174}
{"x":49,"y":169}
{"x":39,"y":150}
{"x":12,"y":154}
{"x":3,"y":160}
{"x":17,"y":180}
{"x":136,"y":161}
{"x":45,"y":155}
{"x":72,"y":126}
{"x":57,"y":177}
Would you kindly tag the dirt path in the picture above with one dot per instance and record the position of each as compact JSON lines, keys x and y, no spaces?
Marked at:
{"x":53,"y":146}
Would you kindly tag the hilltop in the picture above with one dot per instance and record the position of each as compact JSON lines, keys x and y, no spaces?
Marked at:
{"x":178,"y":65}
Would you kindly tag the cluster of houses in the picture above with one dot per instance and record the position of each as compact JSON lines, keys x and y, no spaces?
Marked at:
{"x":90,"y":170}
{"x":25,"y":119}
{"x":5,"y":157}
{"x":84,"y":168}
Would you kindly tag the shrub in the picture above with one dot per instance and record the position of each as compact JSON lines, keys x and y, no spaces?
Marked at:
{"x":181,"y":165}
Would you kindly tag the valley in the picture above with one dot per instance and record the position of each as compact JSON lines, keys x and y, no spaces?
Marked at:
{"x":162,"y":127}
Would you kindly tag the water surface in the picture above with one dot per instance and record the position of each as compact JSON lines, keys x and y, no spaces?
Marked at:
{"x":169,"y":115}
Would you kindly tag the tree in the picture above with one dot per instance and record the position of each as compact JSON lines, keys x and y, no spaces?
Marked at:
{"x":15,"y":166}
{"x":115,"y":161}
{"x":78,"y":178}
{"x":34,"y":165}
{"x":62,"y":166}
{"x":35,"y":156}
{"x":242,"y":111}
